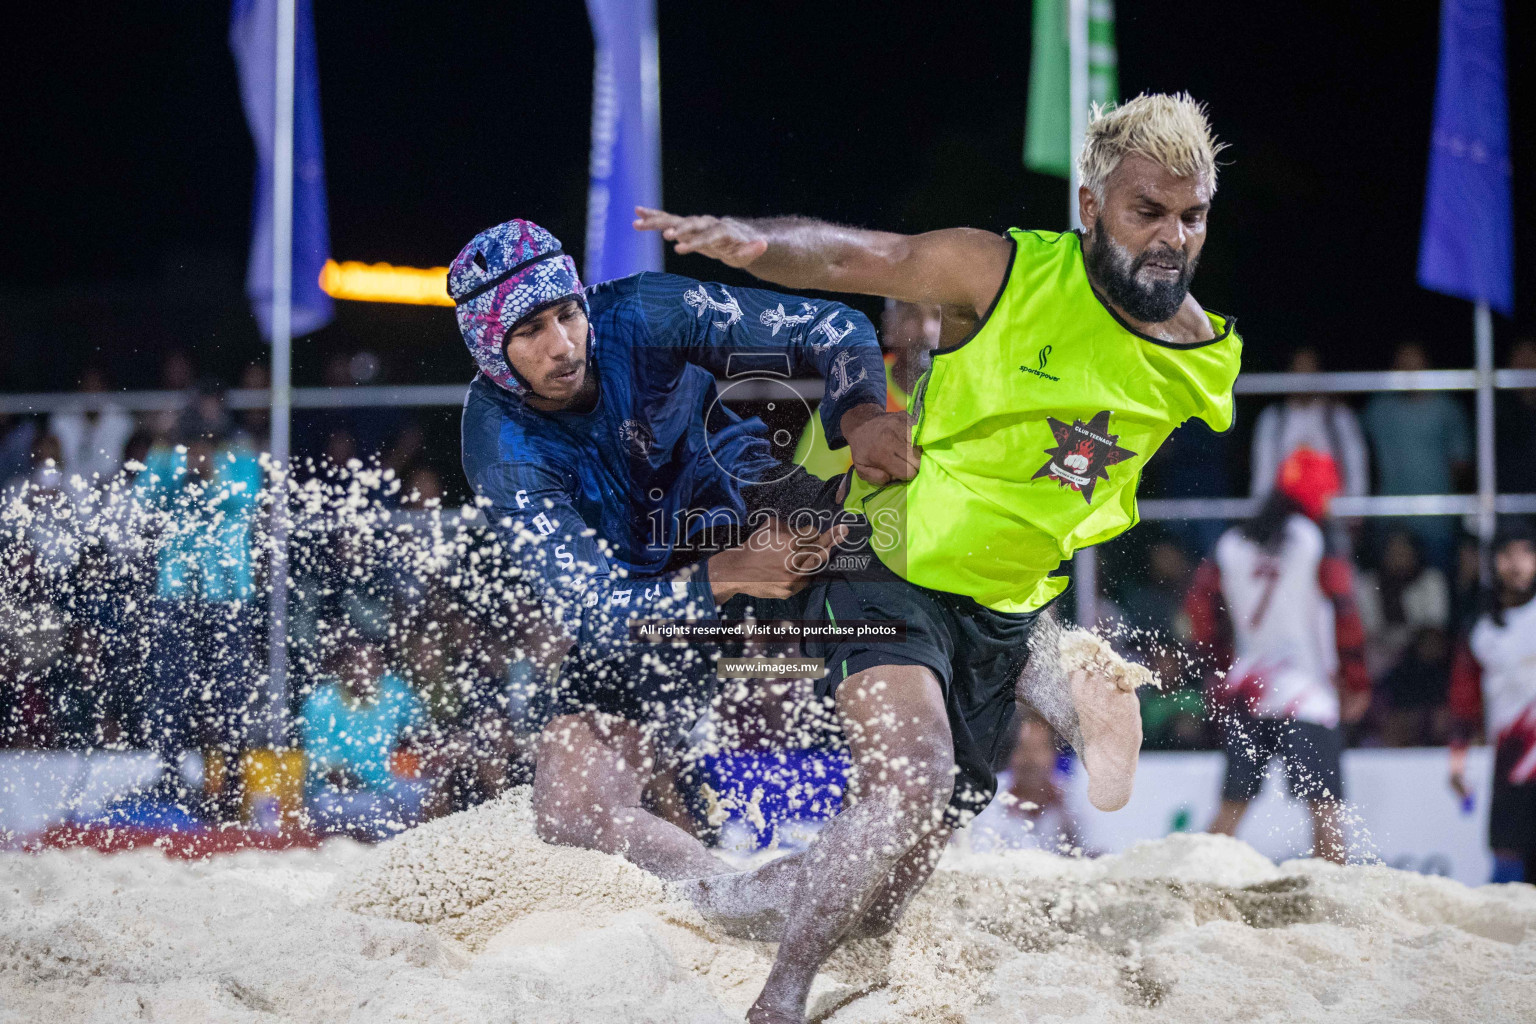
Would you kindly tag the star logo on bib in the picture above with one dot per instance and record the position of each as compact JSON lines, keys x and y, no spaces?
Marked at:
{"x":1083,"y":454}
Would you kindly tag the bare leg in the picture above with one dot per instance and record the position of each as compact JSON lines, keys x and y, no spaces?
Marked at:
{"x":592,"y":771}
{"x":1327,"y":830}
{"x":904,"y":755}
{"x":909,"y":876}
{"x":666,"y":800}
{"x":1229,"y":817}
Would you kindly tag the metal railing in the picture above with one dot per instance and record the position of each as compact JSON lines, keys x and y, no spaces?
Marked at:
{"x":746,"y":390}
{"x":1484,"y":504}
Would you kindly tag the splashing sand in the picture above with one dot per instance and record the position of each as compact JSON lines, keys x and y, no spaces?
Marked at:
{"x":471,"y":918}
{"x":1088,"y":651}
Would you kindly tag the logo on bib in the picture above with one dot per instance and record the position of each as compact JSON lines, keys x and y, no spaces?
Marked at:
{"x":1045,"y":354}
{"x":1083,"y":454}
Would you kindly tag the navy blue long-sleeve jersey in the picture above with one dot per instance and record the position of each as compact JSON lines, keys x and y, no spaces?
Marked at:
{"x":594,"y":505}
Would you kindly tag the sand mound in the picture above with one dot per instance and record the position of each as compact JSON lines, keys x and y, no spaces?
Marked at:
{"x":472,"y":919}
{"x":471,"y":881}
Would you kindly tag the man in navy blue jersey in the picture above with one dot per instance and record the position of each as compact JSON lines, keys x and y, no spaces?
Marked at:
{"x":623,"y":489}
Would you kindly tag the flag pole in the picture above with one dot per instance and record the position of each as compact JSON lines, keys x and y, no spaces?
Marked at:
{"x":1077,"y":92}
{"x":1482,"y":335}
{"x":282,"y":372}
{"x":1085,"y":564}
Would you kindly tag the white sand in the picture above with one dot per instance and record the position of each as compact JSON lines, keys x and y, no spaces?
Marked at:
{"x":471,"y":919}
{"x":1084,"y":650}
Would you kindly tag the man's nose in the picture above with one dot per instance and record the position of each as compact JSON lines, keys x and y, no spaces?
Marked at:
{"x":1173,"y":233}
{"x":566,"y":340}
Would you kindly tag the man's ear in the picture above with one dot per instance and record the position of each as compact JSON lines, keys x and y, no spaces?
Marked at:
{"x":1087,"y":207}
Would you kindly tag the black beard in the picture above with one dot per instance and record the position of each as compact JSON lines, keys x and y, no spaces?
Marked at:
{"x":1112,"y":269}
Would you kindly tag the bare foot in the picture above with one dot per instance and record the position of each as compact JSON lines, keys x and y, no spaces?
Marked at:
{"x":1110,"y":720}
{"x":767,"y":1015}
{"x":780,"y":1003}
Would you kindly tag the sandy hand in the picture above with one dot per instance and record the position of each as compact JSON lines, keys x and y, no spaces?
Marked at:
{"x":1109,"y":716}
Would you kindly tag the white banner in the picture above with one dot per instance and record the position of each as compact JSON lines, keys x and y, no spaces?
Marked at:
{"x":1400,"y":809}
{"x":39,"y":788}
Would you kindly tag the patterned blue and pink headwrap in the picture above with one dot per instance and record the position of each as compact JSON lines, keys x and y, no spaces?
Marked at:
{"x":504,"y":274}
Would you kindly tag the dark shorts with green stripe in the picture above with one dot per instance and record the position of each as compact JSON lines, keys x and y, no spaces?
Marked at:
{"x":975,"y":652}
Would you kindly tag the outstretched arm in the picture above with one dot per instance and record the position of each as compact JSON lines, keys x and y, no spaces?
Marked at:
{"x":955,"y":267}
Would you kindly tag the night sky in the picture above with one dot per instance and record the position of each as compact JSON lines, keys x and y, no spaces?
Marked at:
{"x":126,"y":200}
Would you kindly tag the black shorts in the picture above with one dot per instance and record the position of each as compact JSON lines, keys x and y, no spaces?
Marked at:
{"x":976,"y":652}
{"x":1311,"y":753}
{"x":657,"y":686}
{"x":670,"y":687}
{"x":1512,"y":817}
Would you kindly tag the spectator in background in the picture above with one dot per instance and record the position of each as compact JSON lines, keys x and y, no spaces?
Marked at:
{"x":1515,"y":427}
{"x":370,"y":427}
{"x":1493,"y":691}
{"x":54,"y":496}
{"x":1153,"y":602}
{"x":33,"y":635}
{"x":1401,"y":597}
{"x":1466,"y":585}
{"x":33,"y":653}
{"x":1300,"y":664}
{"x":255,"y":424}
{"x":1415,"y":691}
{"x":1195,"y":462}
{"x":177,"y":373}
{"x":1031,"y":811}
{"x":1405,"y":607}
{"x":1319,"y":422}
{"x":92,"y":441}
{"x":16,"y":438}
{"x":405,"y":452}
{"x":422,"y":489}
{"x":1421,"y":443}
{"x":204,"y":494}
{"x":124,"y":586}
{"x":353,"y":725}
{"x":339,"y":451}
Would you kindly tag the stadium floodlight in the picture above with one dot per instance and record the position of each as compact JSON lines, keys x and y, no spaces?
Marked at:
{"x":384,"y":282}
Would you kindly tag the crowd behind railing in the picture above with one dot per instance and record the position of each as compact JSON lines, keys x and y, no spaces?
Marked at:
{"x":411,"y":697}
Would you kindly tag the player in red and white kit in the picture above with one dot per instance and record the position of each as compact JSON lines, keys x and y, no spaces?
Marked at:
{"x":1285,"y":605}
{"x":1493,"y":686}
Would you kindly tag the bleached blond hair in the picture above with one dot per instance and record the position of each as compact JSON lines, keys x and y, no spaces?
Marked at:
{"x":1170,"y":130}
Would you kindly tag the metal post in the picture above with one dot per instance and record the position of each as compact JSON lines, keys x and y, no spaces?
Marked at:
{"x":1085,"y":563}
{"x":282,"y":345}
{"x":1077,"y":93}
{"x":1085,"y":582}
{"x":1482,"y":334}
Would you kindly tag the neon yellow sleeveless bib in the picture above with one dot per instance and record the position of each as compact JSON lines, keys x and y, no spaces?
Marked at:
{"x":1035,"y":431}
{"x":812,"y":453}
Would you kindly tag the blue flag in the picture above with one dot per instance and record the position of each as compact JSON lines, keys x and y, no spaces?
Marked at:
{"x":1467,"y":246}
{"x":626,"y":139}
{"x":253,"y":39}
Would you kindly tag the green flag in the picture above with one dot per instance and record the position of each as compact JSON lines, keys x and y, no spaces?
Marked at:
{"x":1048,"y":129}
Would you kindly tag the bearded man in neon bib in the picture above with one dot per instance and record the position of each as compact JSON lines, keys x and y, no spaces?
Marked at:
{"x":1066,"y":361}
